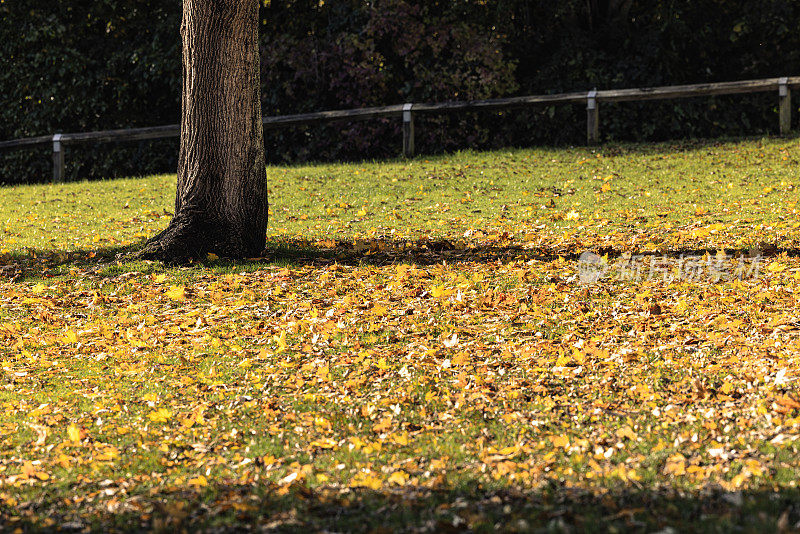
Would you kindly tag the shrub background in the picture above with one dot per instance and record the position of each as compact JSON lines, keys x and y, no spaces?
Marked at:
{"x":75,"y":66}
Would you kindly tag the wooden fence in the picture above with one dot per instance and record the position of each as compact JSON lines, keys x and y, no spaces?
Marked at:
{"x":406,"y":112}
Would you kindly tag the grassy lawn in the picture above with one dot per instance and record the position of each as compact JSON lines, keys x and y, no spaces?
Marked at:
{"x":419,"y":349}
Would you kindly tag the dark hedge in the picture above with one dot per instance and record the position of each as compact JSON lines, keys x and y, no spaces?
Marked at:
{"x":78,"y":66}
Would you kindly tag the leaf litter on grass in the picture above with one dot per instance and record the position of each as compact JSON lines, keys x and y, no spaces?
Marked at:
{"x":432,"y":376}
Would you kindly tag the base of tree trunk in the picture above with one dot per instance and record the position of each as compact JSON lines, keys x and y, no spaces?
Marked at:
{"x":221,"y":203}
{"x":185,"y":241}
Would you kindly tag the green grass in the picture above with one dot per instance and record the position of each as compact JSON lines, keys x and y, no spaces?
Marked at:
{"x":137,"y":396}
{"x":652,"y":186}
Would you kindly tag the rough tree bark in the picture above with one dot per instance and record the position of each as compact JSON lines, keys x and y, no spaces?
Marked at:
{"x":221,"y":203}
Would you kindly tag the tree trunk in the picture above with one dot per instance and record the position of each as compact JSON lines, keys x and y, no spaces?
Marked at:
{"x":221,"y":203}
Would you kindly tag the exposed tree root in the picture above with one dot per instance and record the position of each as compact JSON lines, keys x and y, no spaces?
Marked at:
{"x":189,"y":239}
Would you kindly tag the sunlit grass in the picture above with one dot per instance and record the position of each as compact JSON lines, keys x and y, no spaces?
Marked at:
{"x":415,"y":350}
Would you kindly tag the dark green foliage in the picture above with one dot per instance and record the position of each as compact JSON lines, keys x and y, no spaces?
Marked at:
{"x":72,"y":66}
{"x":82,"y":66}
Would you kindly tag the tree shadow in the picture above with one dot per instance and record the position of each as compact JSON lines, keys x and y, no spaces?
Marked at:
{"x":471,"y":507}
{"x":114,"y":261}
{"x":43,"y":263}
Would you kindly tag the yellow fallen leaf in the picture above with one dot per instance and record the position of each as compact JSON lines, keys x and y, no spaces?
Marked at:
{"x":74,"y":433}
{"x":159,"y":278}
{"x":754,"y":467}
{"x":324,"y":443}
{"x":177,"y":293}
{"x":199,"y":481}
{"x":508,"y":451}
{"x":563,"y":360}
{"x":150,"y":397}
{"x":383,"y":425}
{"x":776,"y":267}
{"x":63,"y":460}
{"x":398,"y":477}
{"x":727,"y":387}
{"x":28,"y":470}
{"x":401,"y":439}
{"x":162,"y":415}
{"x":280,"y":340}
{"x":366,"y":480}
{"x":462,"y":358}
{"x":560,"y":441}
{"x":675,"y":466}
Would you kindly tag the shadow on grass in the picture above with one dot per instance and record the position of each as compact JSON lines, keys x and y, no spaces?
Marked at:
{"x":470,"y":508}
{"x":114,"y":261}
{"x":38,"y":263}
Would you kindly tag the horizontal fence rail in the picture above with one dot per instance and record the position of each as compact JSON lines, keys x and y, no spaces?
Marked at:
{"x":591,"y":98}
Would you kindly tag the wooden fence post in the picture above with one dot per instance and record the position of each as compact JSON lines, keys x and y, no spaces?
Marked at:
{"x":408,"y":131}
{"x":592,"y":118}
{"x":58,"y":159}
{"x":784,"y":105}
